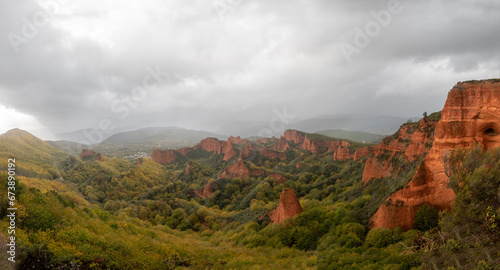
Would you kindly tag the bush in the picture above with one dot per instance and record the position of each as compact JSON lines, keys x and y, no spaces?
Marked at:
{"x":427,"y":217}
{"x":379,"y":238}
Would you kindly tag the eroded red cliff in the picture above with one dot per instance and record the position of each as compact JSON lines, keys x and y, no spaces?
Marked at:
{"x":281,"y":145}
{"x":210,"y":145}
{"x":164,"y":157}
{"x":309,"y":145}
{"x":240,"y":170}
{"x":411,"y":141}
{"x":342,"y":154}
{"x":294,"y":136}
{"x":228,"y":150}
{"x":288,"y":207}
{"x":363,"y":152}
{"x":205,"y":192}
{"x":471,"y":115}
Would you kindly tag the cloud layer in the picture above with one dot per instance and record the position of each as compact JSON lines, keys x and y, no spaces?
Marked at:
{"x":70,"y":64}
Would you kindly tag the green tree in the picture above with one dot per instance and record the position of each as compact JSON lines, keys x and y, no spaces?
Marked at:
{"x":427,"y":217}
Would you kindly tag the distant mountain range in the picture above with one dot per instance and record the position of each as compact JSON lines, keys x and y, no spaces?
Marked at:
{"x":382,"y":125}
{"x":147,"y":139}
{"x":358,"y":136}
{"x":126,"y":142}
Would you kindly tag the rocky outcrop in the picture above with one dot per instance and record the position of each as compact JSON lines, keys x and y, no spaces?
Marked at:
{"x":210,"y":145}
{"x":363,"y":152}
{"x":294,"y":136}
{"x":90,"y":154}
{"x":240,"y":170}
{"x":288,"y":207}
{"x":245,"y":152}
{"x":205,"y":192}
{"x":281,"y":145}
{"x":471,"y":115}
{"x":86,"y":153}
{"x":270,"y":154}
{"x":342,"y":154}
{"x":188,"y":166}
{"x":309,"y":145}
{"x":411,"y":141}
{"x":164,"y":157}
{"x":281,"y":179}
{"x":228,"y":150}
{"x":235,"y":140}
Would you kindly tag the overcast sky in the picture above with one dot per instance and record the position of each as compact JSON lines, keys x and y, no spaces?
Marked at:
{"x":68,"y":64}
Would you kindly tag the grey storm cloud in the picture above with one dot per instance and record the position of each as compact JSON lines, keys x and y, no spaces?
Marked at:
{"x":237,"y":59}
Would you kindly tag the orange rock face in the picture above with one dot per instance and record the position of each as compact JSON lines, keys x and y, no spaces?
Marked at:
{"x":234,"y":140}
{"x":245,"y":152}
{"x":411,"y":141}
{"x":228,"y":150}
{"x":363,"y":152}
{"x":86,"y":153}
{"x":89,"y":153}
{"x":270,"y":154}
{"x":294,"y":136}
{"x":281,"y":145}
{"x":289,"y":207}
{"x":281,"y":179}
{"x":309,"y":146}
{"x":210,"y":145}
{"x":240,"y":170}
{"x":164,"y":157}
{"x":342,"y":154}
{"x":471,"y":115}
{"x":205,"y":192}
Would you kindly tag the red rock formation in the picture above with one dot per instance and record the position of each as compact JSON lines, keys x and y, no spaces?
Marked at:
{"x":309,"y":146}
{"x":270,"y":154}
{"x":410,"y":141}
{"x":188,"y":166}
{"x":471,"y":115}
{"x":89,"y":153}
{"x":244,"y":142}
{"x":240,"y":170}
{"x":234,"y":140}
{"x":281,"y":179}
{"x":164,"y":157}
{"x":298,"y":166}
{"x":245,"y":152}
{"x":86,"y":153}
{"x":288,"y":208}
{"x":342,"y":154}
{"x":228,"y":150}
{"x":210,"y":145}
{"x":363,"y":152}
{"x":205,"y":192}
{"x":345,"y":144}
{"x":281,"y":145}
{"x":294,"y":136}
